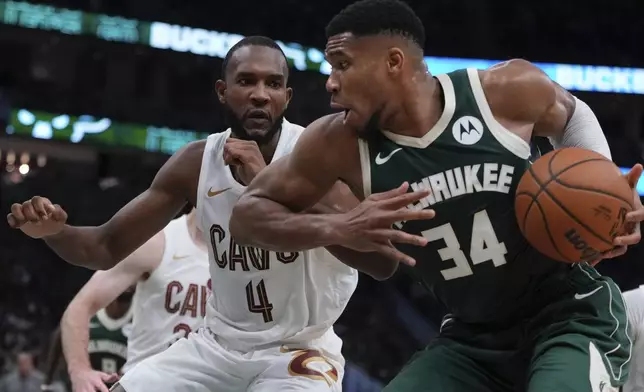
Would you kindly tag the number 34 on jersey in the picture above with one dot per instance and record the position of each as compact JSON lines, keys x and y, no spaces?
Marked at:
{"x":484,"y":246}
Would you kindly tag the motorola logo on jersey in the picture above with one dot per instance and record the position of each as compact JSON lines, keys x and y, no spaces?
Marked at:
{"x":467,"y":130}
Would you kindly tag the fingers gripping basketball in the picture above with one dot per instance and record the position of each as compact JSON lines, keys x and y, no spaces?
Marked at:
{"x":571,"y":204}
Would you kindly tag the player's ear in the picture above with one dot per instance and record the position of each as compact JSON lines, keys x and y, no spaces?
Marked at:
{"x":289,"y":96}
{"x":395,"y":60}
{"x":220,"y":89}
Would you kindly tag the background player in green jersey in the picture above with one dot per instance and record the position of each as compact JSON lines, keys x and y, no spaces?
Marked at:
{"x":519,"y":321}
{"x":107,"y":345}
{"x":108,"y":335}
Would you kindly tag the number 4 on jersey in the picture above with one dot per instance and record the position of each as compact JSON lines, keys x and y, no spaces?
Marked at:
{"x":261,"y":304}
{"x":485,"y":246}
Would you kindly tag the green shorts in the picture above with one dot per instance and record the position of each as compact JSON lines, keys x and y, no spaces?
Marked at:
{"x":577,"y":344}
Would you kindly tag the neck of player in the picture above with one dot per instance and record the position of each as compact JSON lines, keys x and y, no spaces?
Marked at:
{"x":419,"y":108}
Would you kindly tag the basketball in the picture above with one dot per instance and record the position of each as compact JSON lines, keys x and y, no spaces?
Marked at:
{"x":571,"y":204}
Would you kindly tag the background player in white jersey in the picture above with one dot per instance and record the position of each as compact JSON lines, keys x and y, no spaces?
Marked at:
{"x":172,"y":284}
{"x":635,"y":309}
{"x":269,"y":324}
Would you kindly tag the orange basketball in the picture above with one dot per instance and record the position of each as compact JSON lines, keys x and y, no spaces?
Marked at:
{"x":571,"y":204}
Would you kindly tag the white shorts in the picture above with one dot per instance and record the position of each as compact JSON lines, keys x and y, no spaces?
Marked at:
{"x":200,"y":364}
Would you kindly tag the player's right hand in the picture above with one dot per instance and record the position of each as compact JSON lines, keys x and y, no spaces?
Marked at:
{"x":91,"y":380}
{"x":37,"y":217}
{"x":368,"y":227}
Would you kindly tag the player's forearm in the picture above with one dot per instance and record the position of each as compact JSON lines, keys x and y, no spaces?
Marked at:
{"x":282,"y":230}
{"x":262,"y":223}
{"x":81,"y":246}
{"x":74,"y":329}
{"x":373,"y":264}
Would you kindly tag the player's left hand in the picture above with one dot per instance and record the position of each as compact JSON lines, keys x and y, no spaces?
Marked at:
{"x":246,"y":156}
{"x":633,"y":219}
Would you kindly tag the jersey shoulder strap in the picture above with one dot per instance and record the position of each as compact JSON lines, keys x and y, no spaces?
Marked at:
{"x":472,"y":101}
{"x":214,"y":144}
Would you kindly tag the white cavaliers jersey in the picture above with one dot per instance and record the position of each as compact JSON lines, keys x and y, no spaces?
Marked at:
{"x":635,"y":309}
{"x":171,"y":302}
{"x":262,"y":299}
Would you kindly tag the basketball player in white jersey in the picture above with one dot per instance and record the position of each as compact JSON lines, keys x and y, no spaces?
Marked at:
{"x":635,"y":309}
{"x":172,"y":284}
{"x":269,"y":319}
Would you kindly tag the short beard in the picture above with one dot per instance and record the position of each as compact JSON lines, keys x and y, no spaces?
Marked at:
{"x":235,"y":124}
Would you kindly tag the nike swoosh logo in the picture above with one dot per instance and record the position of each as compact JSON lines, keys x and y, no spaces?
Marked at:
{"x":212,"y":193}
{"x":380,"y":160}
{"x":582,"y":296}
{"x":175,"y":257}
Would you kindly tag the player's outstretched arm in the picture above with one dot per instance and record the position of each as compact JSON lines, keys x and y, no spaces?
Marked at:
{"x":103,"y":246}
{"x":103,"y":288}
{"x":275,"y":211}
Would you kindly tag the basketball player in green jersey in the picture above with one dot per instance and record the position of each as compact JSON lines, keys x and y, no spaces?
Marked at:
{"x":108,"y":335}
{"x":460,"y":143}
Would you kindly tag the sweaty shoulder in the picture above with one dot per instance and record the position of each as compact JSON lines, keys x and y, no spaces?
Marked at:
{"x":330,"y":138}
{"x":331,"y":129}
{"x":333,"y":146}
{"x":191,"y":153}
{"x":518,"y":90}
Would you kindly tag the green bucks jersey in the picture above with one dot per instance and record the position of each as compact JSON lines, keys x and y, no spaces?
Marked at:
{"x":476,"y":263}
{"x":108,"y":341}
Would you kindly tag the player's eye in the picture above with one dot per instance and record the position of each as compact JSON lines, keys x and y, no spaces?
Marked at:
{"x":275,"y":84}
{"x":342,"y":65}
{"x":244,"y":82}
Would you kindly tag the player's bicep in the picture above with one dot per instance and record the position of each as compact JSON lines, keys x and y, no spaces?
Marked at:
{"x":96,"y":294}
{"x":523,"y":95}
{"x":552,"y":122}
{"x":102,"y":289}
{"x":105,"y":286}
{"x":152,"y":210}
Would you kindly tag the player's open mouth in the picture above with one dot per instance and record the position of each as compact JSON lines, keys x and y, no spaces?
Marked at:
{"x":347,"y":111}
{"x":349,"y":115}
{"x":258,"y":116}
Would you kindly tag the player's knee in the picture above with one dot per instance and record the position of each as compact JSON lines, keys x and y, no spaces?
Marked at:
{"x":117,"y":388}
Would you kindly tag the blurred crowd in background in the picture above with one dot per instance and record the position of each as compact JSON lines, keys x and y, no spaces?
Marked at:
{"x":95,"y":94}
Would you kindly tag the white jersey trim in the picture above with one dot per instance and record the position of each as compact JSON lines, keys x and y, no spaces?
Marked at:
{"x":365,"y":165}
{"x":438,"y":128}
{"x":625,"y":328}
{"x":508,"y":139}
{"x":203,"y":175}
